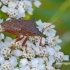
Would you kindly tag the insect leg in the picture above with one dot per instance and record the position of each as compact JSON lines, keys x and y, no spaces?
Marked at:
{"x":25,"y":41}
{"x":18,"y":39}
{"x":40,"y":41}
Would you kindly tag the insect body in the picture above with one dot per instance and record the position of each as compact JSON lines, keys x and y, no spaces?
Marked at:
{"x":21,"y":27}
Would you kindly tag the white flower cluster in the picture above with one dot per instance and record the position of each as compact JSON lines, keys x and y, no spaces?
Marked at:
{"x":33,"y":55}
{"x":18,"y":8}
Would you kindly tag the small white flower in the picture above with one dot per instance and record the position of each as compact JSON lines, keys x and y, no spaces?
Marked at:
{"x":23,"y":62}
{"x":35,"y":40}
{"x":28,"y":53}
{"x":12,"y":12}
{"x":46,"y":28}
{"x":6,"y":66}
{"x":49,"y":32}
{"x":42,"y":51}
{"x":5,"y":51}
{"x":58,"y":56}
{"x":19,"y":7}
{"x":53,"y":41}
{"x":28,"y":8}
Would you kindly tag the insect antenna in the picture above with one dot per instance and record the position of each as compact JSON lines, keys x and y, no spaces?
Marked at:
{"x":52,"y":24}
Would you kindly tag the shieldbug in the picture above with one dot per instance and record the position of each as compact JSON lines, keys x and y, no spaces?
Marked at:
{"x":20,"y":27}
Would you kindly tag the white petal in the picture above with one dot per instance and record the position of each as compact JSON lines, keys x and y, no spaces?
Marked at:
{"x":30,"y":11}
{"x":58,"y":65}
{"x":1,"y":44}
{"x":50,"y":51}
{"x":37,"y":3}
{"x":57,"y":47}
{"x":51,"y":60}
{"x":39,"y":22}
{"x":34,"y":62}
{"x":1,"y":20}
{"x":8,"y":39}
{"x":4,"y":9}
{"x":21,"y":12}
{"x":2,"y":59}
{"x":8,"y":19}
{"x":23,"y":62}
{"x":28,"y":3}
{"x":17,"y":52}
{"x":59,"y":41}
{"x":1,"y":36}
{"x":12,"y":4}
{"x":66,"y":57}
{"x":16,"y":68}
{"x":25,"y":68}
{"x":13,"y":61}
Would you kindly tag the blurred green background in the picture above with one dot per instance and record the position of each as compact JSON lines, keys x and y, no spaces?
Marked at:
{"x":52,"y":11}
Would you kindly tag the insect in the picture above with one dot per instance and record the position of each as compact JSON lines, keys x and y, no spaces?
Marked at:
{"x":21,"y":27}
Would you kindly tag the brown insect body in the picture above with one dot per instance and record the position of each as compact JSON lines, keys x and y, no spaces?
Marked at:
{"x":21,"y":27}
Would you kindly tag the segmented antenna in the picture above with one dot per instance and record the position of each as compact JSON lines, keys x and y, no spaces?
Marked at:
{"x":52,"y":24}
